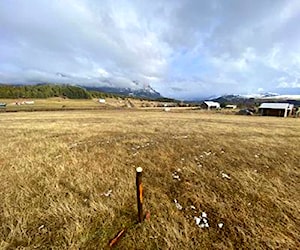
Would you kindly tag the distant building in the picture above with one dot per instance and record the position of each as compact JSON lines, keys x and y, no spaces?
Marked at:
{"x":102,"y":100}
{"x":210,"y":105}
{"x":230,"y":106}
{"x":29,"y":102}
{"x":276,"y":109}
{"x":2,"y":105}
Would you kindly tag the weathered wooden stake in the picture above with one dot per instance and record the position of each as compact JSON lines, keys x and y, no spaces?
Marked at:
{"x":139,"y":193}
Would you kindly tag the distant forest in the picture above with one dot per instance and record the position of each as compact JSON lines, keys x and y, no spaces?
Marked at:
{"x":49,"y":90}
{"x":65,"y":91}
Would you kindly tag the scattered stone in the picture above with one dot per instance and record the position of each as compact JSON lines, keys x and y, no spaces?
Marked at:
{"x":193,"y":207}
{"x":73,"y":145}
{"x":108,"y":193}
{"x":220,"y":225}
{"x":197,"y":219}
{"x":176,"y":176}
{"x":226,"y":176}
{"x":207,"y":153}
{"x":202,"y":221}
{"x":178,"y":206}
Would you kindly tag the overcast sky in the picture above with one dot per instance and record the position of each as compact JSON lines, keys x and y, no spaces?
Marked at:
{"x":183,"y":48}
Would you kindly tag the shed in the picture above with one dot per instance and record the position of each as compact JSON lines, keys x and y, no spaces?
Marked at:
{"x":276,"y":109}
{"x":231,"y":106}
{"x":210,"y":105}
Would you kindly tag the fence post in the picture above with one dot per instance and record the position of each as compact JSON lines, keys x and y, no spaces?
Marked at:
{"x":139,"y":193}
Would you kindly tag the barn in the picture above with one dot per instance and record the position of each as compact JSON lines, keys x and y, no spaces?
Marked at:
{"x":276,"y":109}
{"x":210,"y":105}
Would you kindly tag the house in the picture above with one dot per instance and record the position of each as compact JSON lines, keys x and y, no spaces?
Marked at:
{"x":230,"y":106}
{"x":276,"y":109}
{"x":210,"y":105}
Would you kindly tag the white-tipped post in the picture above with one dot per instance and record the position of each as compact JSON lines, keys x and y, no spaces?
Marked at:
{"x":139,"y":193}
{"x":139,"y":169}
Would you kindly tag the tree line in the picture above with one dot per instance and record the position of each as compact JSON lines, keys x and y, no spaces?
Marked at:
{"x":49,"y":90}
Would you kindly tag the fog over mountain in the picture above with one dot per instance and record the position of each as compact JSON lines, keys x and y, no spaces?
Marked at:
{"x":182,"y":48}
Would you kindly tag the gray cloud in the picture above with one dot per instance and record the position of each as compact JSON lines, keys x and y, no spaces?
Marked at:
{"x":199,"y":47}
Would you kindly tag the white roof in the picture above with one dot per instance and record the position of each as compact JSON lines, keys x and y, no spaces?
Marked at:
{"x":276,"y":106}
{"x":210,"y":104}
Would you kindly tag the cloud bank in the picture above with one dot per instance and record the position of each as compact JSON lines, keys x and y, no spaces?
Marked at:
{"x":185,"y":49}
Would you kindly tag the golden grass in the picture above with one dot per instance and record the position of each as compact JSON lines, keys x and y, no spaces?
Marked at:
{"x":61,"y":104}
{"x":57,"y":166}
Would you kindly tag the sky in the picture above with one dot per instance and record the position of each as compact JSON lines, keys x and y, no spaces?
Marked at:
{"x":183,"y":48}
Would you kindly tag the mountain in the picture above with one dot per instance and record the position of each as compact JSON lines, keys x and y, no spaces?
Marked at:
{"x":253,"y":100}
{"x":145,"y":92}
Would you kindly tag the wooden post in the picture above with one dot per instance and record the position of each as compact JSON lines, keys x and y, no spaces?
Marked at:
{"x":139,"y":193}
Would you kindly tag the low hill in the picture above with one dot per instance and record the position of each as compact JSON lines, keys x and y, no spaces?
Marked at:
{"x":43,"y":91}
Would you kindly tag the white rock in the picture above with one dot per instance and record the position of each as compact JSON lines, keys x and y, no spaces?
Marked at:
{"x":226,"y":176}
{"x":204,"y":215}
{"x":220,"y":225}
{"x":108,"y":193}
{"x":197,"y":219}
{"x":178,"y":206}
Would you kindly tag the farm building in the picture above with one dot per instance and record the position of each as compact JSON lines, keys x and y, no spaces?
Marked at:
{"x":210,"y":105}
{"x":230,"y":106}
{"x":29,"y":102}
{"x":276,"y":109}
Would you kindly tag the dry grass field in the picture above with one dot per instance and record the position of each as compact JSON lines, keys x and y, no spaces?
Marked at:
{"x":61,"y":104}
{"x":67,"y":180}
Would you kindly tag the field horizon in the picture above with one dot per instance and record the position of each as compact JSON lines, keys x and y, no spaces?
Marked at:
{"x":68,"y":180}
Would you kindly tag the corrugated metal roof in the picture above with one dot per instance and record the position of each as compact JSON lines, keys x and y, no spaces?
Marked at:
{"x":212,"y":104}
{"x":276,"y":106}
